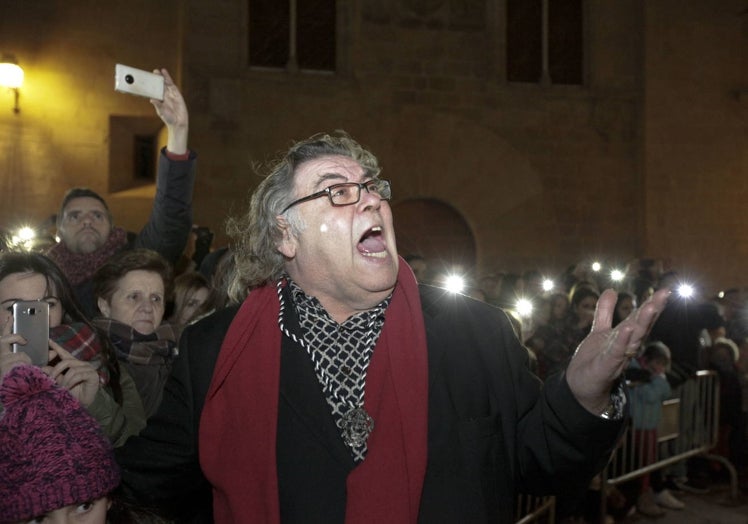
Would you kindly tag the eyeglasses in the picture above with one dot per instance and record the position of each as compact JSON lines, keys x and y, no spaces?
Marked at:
{"x":76,"y":217}
{"x":348,"y":193}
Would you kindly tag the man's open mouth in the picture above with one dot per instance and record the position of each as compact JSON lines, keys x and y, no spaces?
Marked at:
{"x":372,"y":243}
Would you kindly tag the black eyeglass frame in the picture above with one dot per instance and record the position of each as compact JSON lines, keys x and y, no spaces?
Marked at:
{"x":328,"y":192}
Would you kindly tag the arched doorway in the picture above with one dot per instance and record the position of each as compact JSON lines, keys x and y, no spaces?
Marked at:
{"x":437,"y":232}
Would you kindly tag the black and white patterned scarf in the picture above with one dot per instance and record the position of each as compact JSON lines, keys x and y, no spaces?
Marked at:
{"x":341,"y":353}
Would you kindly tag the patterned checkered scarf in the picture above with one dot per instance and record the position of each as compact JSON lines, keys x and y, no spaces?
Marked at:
{"x":341,"y":353}
{"x":80,"y":267}
{"x":81,"y":341}
{"x":132,"y":346}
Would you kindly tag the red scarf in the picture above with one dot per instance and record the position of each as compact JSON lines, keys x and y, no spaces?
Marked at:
{"x":239,"y":421}
{"x":79,"y":267}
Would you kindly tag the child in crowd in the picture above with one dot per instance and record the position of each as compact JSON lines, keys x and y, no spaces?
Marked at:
{"x":54,"y":460}
{"x":647,"y":395}
{"x":56,"y":464}
{"x":723,"y":358}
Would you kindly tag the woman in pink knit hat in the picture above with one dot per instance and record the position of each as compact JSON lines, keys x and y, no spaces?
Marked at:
{"x":55,"y":463}
{"x":80,"y":357}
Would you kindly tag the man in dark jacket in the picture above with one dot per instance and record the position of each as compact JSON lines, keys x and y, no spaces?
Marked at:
{"x":88,"y":237}
{"x":340,"y":391}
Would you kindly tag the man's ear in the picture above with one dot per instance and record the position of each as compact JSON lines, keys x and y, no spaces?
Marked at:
{"x":287,"y":243}
{"x":103,"y":306}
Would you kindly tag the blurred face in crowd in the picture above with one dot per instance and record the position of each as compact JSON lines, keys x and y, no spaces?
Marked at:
{"x":93,"y":512}
{"x":138,"y":301}
{"x":345,"y":256}
{"x":28,"y":286}
{"x":585,"y":311}
{"x":657,"y":366}
{"x":559,"y":305}
{"x":85,"y":225}
{"x":192,"y":304}
{"x":625,"y":307}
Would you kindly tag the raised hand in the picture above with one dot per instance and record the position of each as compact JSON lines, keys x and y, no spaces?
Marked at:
{"x":173,"y":111}
{"x":601,"y":357}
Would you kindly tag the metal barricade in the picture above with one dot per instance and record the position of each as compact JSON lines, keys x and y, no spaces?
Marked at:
{"x":689,"y":426}
{"x":533,"y":508}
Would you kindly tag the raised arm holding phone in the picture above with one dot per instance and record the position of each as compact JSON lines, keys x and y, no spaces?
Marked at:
{"x":85,"y":225}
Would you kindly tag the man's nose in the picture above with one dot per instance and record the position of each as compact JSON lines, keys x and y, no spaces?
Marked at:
{"x":369,"y":200}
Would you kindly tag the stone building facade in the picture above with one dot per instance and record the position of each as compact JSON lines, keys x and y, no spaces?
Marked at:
{"x":645,"y":155}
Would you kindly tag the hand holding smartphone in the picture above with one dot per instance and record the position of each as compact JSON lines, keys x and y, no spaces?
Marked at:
{"x":138,"y":82}
{"x":31,"y":321}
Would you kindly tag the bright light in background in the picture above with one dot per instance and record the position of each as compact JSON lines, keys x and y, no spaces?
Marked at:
{"x":616,"y":275}
{"x":26,"y":233}
{"x":523,"y":307}
{"x":11,"y":75}
{"x":23,"y":236}
{"x":721,"y":294}
{"x":686,"y":290}
{"x":548,"y":284}
{"x":596,"y":266}
{"x":454,"y":284}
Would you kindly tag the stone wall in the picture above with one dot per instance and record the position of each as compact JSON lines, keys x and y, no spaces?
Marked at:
{"x":647,"y":158}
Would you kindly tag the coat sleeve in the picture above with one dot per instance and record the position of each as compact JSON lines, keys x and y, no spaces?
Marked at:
{"x":558,"y":445}
{"x":493,"y":420}
{"x":170,"y":222}
{"x":119,"y":422}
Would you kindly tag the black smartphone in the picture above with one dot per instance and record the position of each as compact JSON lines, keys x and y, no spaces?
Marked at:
{"x":31,"y":321}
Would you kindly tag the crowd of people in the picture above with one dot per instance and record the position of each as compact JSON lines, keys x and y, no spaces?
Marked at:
{"x":694,"y":332}
{"x":303,"y":375}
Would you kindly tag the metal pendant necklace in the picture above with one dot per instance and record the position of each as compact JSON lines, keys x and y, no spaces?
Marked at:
{"x":356,"y":426}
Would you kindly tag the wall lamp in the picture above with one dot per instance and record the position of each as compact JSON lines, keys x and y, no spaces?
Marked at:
{"x":11,"y":76}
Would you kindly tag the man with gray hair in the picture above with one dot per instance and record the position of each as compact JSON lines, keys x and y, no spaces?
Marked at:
{"x":345,"y":392}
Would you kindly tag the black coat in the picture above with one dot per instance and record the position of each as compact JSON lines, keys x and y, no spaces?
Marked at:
{"x":493,"y":429}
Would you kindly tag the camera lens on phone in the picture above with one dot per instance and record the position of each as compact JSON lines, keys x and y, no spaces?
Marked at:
{"x":129,"y":79}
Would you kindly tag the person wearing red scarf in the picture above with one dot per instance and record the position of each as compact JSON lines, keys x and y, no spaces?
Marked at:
{"x":342,"y":391}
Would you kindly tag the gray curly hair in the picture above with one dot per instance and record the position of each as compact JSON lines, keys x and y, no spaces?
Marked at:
{"x":257,"y":233}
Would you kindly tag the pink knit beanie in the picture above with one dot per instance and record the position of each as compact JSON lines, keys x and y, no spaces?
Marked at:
{"x":52,"y":452}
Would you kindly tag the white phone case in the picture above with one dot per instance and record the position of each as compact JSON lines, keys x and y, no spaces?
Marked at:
{"x":138,"y":82}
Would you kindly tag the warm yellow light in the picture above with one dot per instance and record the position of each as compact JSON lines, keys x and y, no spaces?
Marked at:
{"x":11,"y":75}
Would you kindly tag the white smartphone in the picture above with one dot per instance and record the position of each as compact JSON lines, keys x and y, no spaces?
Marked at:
{"x":31,"y":320}
{"x":138,"y":82}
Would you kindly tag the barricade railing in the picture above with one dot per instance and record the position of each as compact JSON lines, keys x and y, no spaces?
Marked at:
{"x":689,"y":426}
{"x":533,"y":508}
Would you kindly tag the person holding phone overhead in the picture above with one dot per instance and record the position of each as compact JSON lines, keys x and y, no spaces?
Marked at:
{"x":85,"y":226}
{"x":80,"y":359}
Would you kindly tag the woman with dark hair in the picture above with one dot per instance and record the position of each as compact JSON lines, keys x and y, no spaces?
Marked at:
{"x":81,"y":359}
{"x":582,"y":303}
{"x":547,"y":342}
{"x":131,"y":290}
{"x":192,"y":298}
{"x":625,"y":304}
